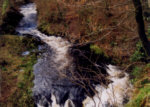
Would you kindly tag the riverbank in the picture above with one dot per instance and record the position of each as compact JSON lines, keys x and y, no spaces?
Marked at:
{"x":16,"y":70}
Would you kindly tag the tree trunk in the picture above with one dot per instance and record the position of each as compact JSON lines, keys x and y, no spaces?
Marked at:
{"x":140,"y":24}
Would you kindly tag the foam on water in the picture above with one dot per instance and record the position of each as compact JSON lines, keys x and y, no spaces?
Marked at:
{"x":49,"y":89}
{"x":115,"y":93}
{"x":29,"y":21}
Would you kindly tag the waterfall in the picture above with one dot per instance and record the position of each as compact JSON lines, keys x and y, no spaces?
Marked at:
{"x":53,"y":85}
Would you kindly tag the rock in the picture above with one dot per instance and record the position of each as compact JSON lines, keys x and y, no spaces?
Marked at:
{"x":25,"y":53}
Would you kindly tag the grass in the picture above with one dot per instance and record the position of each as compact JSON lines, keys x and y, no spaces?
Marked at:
{"x":139,"y":53}
{"x":16,"y":70}
{"x":141,"y":82}
{"x":142,"y":95}
{"x":4,"y":6}
{"x":140,"y":78}
{"x":23,"y":94}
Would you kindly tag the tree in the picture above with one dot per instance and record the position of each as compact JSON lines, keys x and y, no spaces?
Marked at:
{"x":141,"y":26}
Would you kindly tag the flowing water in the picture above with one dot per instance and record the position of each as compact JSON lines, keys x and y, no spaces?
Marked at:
{"x":52,"y":84}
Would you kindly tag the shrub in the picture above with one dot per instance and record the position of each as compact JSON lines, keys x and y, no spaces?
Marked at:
{"x":96,"y":49}
{"x":4,"y":6}
{"x":139,"y":54}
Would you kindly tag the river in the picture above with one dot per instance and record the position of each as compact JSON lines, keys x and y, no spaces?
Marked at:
{"x":56,"y":82}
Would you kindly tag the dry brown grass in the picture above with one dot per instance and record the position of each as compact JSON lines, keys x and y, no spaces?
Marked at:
{"x":9,"y":61}
{"x":89,"y":20}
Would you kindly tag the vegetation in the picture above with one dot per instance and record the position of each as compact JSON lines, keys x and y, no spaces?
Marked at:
{"x":4,"y":6}
{"x":140,"y":79}
{"x":141,"y":26}
{"x":108,"y":24}
{"x":139,"y":53}
{"x":16,"y":70}
{"x":96,"y":49}
{"x":85,"y":21}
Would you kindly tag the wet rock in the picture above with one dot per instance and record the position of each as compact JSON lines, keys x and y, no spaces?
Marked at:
{"x":26,"y":53}
{"x":121,"y":75}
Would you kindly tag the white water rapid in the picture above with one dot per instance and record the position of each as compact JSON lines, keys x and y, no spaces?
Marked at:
{"x":52,"y":91}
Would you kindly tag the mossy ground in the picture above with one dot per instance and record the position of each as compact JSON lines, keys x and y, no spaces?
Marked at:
{"x":16,"y":70}
{"x":141,"y":81}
